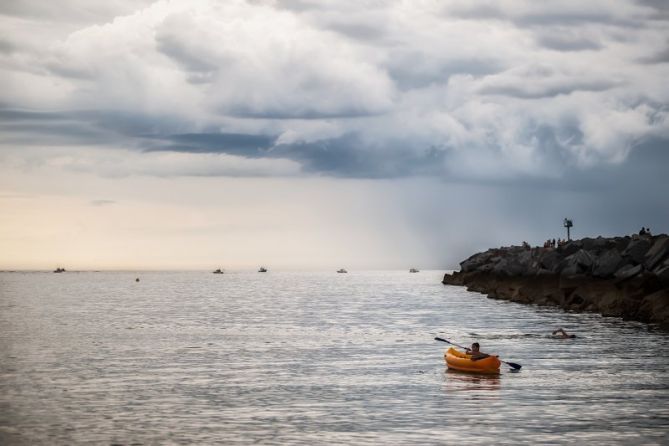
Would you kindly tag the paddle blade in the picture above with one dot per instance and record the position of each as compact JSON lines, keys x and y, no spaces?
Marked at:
{"x":513,"y":365}
{"x":441,"y":339}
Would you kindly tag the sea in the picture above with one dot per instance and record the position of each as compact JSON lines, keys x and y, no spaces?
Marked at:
{"x":312,"y":358}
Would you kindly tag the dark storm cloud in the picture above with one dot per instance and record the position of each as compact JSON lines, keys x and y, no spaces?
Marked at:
{"x":79,"y":127}
{"x":7,"y":46}
{"x":625,"y":196}
{"x":252,"y":146}
{"x":150,"y":134}
{"x":26,"y":127}
{"x":131,"y":124}
{"x":173,"y":48}
{"x":120,"y":123}
{"x":516,"y":91}
{"x":302,"y":113}
{"x":69,"y":11}
{"x":15,"y":115}
{"x":360,"y":31}
{"x":416,"y":69}
{"x":567,"y":43}
{"x":642,"y":176}
{"x":603,"y":18}
{"x":659,"y":57}
{"x":349,"y":157}
{"x":58,"y":133}
{"x":536,"y":91}
{"x":661,"y":8}
{"x":345,"y":157}
{"x":530,"y":14}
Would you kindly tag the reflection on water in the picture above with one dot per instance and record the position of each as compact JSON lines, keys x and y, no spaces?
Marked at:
{"x":456,"y":381}
{"x":312,"y":358}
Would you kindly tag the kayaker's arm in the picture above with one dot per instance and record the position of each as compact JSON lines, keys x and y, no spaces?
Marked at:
{"x":474,"y":352}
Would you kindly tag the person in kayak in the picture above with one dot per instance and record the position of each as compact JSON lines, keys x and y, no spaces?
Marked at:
{"x":560,"y":333}
{"x":476,"y":352}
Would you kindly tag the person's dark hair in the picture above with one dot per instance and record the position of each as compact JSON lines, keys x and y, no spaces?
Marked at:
{"x":476,"y":344}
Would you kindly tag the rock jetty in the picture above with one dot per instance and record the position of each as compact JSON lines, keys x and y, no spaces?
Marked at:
{"x":626,"y":277}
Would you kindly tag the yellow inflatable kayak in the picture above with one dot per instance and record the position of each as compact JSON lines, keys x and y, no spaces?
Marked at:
{"x":457,"y":360}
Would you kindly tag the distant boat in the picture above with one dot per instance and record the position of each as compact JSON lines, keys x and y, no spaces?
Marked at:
{"x":218,"y":271}
{"x":262,"y":269}
{"x":59,"y":270}
{"x":413,"y":270}
{"x":342,"y":270}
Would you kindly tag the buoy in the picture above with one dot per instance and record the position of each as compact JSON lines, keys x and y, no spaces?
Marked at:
{"x":137,"y":279}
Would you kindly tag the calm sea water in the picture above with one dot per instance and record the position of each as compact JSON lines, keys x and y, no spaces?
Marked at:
{"x":311,"y":358}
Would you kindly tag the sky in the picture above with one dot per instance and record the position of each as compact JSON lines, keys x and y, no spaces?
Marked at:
{"x":319,"y":134}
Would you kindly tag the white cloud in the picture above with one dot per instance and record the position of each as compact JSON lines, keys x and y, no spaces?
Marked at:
{"x":504,"y":88}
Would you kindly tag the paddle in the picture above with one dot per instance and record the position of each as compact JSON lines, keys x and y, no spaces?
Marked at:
{"x":513,"y":365}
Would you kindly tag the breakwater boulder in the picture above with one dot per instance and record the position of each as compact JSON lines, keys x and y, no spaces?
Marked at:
{"x":626,"y":277}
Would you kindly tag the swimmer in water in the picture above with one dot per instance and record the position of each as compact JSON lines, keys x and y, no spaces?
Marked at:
{"x":563,"y":334}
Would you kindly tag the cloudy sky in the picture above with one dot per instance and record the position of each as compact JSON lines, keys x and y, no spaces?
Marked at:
{"x":325,"y":133}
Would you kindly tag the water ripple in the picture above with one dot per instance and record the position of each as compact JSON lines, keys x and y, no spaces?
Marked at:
{"x":312,"y":358}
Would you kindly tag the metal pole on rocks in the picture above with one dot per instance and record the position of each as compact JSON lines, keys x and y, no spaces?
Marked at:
{"x":568,"y":224}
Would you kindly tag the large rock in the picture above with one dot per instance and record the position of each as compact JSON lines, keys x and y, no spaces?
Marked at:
{"x":597,"y":244}
{"x":578,"y":263}
{"x":608,"y":263}
{"x":662,"y":273}
{"x":628,"y":271}
{"x":603,"y":244}
{"x":456,"y":278}
{"x":570,"y":248}
{"x":527,"y":263}
{"x":476,"y":261}
{"x":636,"y":250}
{"x":549,"y":260}
{"x":658,"y":252}
{"x":610,"y":304}
{"x":622,"y":242}
{"x":509,"y":267}
{"x":626,"y":277}
{"x":655,"y":307}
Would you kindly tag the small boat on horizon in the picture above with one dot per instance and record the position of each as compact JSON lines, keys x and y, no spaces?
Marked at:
{"x":413,"y":270}
{"x":262,"y":269}
{"x":341,"y":271}
{"x":59,"y":270}
{"x":218,"y":271}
